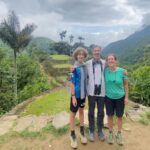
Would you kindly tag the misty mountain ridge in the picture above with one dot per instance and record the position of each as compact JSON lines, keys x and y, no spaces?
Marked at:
{"x":131,"y":48}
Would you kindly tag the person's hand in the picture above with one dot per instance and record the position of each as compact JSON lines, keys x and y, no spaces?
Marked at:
{"x":72,"y":69}
{"x":74,"y":101}
{"x":126,"y":101}
{"x":126,"y":72}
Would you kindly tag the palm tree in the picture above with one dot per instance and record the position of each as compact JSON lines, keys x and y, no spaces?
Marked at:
{"x":63,"y":34}
{"x":80,"y":39}
{"x":16,"y":38}
{"x":71,"y":37}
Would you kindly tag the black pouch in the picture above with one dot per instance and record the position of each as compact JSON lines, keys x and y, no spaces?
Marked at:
{"x":97,"y":89}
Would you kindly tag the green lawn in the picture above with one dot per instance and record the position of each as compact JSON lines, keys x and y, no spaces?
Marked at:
{"x":62,"y":78}
{"x":50,"y":104}
{"x":60,"y":57}
{"x":54,"y":83}
{"x":61,"y":66}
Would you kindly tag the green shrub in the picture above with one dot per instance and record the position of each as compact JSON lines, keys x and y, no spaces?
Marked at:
{"x":6,"y":84}
{"x":32,"y":89}
{"x":140,"y":85}
{"x":31,"y":79}
{"x":6,"y":102}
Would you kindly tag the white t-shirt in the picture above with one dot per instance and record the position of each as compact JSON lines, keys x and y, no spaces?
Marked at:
{"x":99,"y":78}
{"x":97,"y":74}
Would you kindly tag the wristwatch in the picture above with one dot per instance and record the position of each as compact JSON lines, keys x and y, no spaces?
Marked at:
{"x":72,"y":95}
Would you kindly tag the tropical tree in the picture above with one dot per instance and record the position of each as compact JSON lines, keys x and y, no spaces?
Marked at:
{"x":17,"y":39}
{"x":77,"y":44}
{"x":71,"y":37}
{"x":63,"y":34}
{"x":81,"y":39}
{"x":62,"y":48}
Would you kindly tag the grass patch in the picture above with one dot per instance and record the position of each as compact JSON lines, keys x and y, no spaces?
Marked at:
{"x":24,"y":134}
{"x":60,"y":57}
{"x":8,"y":136}
{"x":62,"y":66}
{"x":126,"y":108}
{"x":56,"y":132}
{"x":54,"y":83}
{"x":77,"y":121}
{"x":62,"y":78}
{"x":148,"y":115}
{"x":31,"y":134}
{"x":49,"y":104}
{"x":145,"y":118}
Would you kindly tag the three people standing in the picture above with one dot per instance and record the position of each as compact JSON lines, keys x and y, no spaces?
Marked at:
{"x":100,"y":81}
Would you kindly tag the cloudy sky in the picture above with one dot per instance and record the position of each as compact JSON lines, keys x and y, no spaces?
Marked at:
{"x":98,"y":21}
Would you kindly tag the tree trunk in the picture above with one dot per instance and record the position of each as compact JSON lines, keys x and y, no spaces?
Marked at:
{"x":15,"y":77}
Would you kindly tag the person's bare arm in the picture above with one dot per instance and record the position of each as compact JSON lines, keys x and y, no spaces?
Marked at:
{"x":72,"y":69}
{"x":74,"y":101}
{"x":126,"y":88}
{"x":126,"y":72}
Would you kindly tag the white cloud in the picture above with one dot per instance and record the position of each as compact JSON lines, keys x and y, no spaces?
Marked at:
{"x":131,"y":16}
{"x":146,"y":19}
{"x":99,"y":22}
{"x":3,"y":10}
{"x":104,"y":38}
{"x":48,"y":24}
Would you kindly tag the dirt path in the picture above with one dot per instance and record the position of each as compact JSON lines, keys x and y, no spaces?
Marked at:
{"x":136,"y":139}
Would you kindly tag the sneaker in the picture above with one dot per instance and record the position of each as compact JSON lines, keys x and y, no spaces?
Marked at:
{"x":119,"y":138}
{"x":83,"y":138}
{"x":73,"y":141}
{"x":101,"y":135}
{"x":91,"y":136}
{"x":110,"y":138}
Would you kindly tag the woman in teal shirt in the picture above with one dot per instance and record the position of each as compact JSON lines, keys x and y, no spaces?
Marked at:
{"x":116,"y":84}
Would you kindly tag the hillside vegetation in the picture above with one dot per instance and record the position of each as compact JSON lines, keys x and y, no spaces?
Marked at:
{"x":131,"y":49}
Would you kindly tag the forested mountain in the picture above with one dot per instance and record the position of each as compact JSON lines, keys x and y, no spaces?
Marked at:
{"x":130,"y":49}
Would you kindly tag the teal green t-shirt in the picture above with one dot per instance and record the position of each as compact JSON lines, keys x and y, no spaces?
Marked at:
{"x":114,"y":83}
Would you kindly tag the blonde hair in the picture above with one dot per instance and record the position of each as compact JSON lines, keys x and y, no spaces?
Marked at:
{"x":78,"y":50}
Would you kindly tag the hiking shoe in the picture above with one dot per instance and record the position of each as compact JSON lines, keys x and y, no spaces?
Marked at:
{"x":83,"y":138}
{"x":101,"y":135}
{"x":91,"y":136}
{"x":73,"y":141}
{"x":110,"y":138}
{"x":119,"y":138}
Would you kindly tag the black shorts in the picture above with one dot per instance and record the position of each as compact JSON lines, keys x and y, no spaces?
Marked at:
{"x":80,"y":103}
{"x":114,"y":106}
